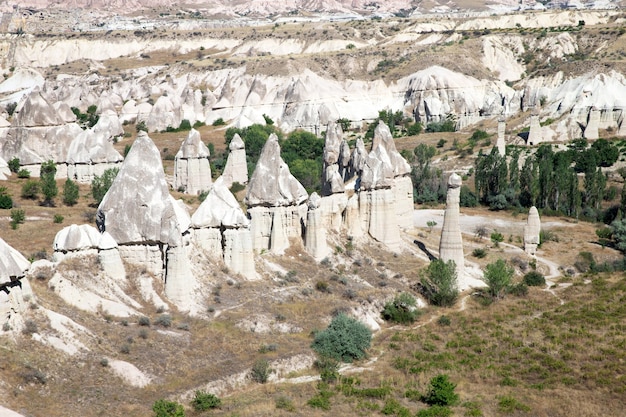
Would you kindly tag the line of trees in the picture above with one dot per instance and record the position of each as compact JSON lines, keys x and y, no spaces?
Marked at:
{"x":548,"y":179}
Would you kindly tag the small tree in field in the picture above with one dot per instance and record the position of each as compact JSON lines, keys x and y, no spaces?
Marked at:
{"x":498,"y":276}
{"x":345,"y":339}
{"x":441,"y":392}
{"x":49,"y":187}
{"x":101,"y":184}
{"x":70,"y":193}
{"x":165,"y":408}
{"x":439,"y":283}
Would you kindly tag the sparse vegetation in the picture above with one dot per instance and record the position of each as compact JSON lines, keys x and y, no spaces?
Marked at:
{"x":439,"y":283}
{"x":402,"y":309}
{"x":203,"y":401}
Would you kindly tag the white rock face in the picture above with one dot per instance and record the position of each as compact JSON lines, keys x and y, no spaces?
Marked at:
{"x":332,"y":170}
{"x":5,"y":172}
{"x":222,"y":231}
{"x":532,"y":231}
{"x":500,"y":141}
{"x":137,"y":209}
{"x":148,"y":224}
{"x":535,"y":135}
{"x":451,"y":243}
{"x":75,"y":238}
{"x":593,"y":122}
{"x":315,"y":236}
{"x":275,"y":201}
{"x":236,"y":168}
{"x":192,"y":170}
{"x":13,"y":267}
{"x":377,"y":211}
{"x":272,"y":184}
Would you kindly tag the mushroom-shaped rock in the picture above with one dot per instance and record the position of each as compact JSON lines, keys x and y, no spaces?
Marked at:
{"x":272,"y":184}
{"x":192,"y":170}
{"x":532,"y":230}
{"x":138,"y":209}
{"x":451,"y":243}
{"x":75,"y":238}
{"x":236,"y":169}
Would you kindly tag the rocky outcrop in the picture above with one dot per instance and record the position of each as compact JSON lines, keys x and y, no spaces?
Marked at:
{"x":451,"y":243}
{"x":14,"y":299}
{"x":593,"y":122}
{"x":500,"y":141}
{"x":333,"y":178}
{"x":236,"y":169}
{"x":92,"y":152}
{"x":146,"y":222}
{"x":532,"y":230}
{"x":222,"y":231}
{"x":275,"y":201}
{"x":315,"y":236}
{"x":192,"y":170}
{"x":535,"y":134}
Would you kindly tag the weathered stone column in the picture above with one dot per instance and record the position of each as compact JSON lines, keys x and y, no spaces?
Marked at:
{"x":532,"y":231}
{"x":451,"y":243}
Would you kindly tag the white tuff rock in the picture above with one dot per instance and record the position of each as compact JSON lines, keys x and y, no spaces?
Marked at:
{"x":451,"y":243}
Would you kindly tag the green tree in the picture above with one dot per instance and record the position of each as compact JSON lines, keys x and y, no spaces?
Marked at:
{"x":6,"y":202}
{"x":619,"y":234}
{"x":14,"y":165}
{"x":401,"y":310}
{"x":166,"y":408}
{"x":345,"y":339}
{"x":439,"y":283}
{"x":49,"y":187}
{"x":426,"y":179}
{"x":498,"y":276}
{"x":203,"y":401}
{"x":441,"y":392}
{"x":70,"y":192}
{"x":101,"y":184}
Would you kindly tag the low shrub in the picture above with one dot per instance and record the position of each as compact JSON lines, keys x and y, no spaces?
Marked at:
{"x":166,"y":408}
{"x":260,"y":371}
{"x":401,"y":310}
{"x":203,"y":401}
{"x":534,"y":279}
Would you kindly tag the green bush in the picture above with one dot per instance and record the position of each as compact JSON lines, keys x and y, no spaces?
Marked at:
{"x":58,"y":218}
{"x":30,"y":189}
{"x":285,"y":403}
{"x":345,"y":339}
{"x":498,"y":277}
{"x":496,"y":238}
{"x":204,"y":401}
{"x":6,"y":202}
{"x":101,"y":184}
{"x":439,"y":283}
{"x":401,"y":310}
{"x":18,"y":216}
{"x":219,"y":122}
{"x":534,"y":279}
{"x":165,"y":408}
{"x":164,"y":320}
{"x":321,"y":400}
{"x":508,"y":404}
{"x":441,"y":392}
{"x":48,"y":184}
{"x":479,"y":253}
{"x":260,"y":371}
{"x":14,"y":165}
{"x":23,"y":173}
{"x":70,"y":192}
